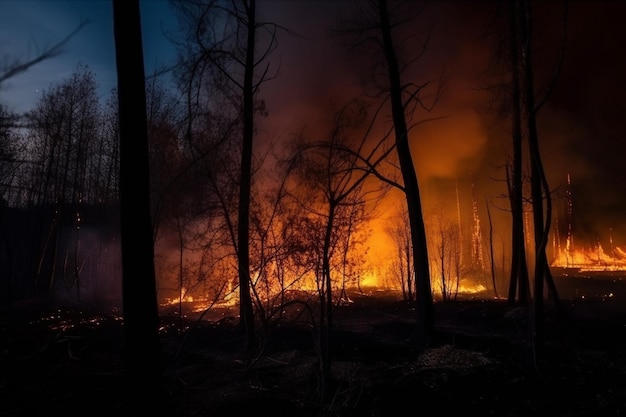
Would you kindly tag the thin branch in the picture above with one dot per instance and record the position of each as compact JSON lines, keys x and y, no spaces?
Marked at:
{"x":55,"y":50}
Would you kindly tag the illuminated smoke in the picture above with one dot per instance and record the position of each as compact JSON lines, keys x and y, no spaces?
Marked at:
{"x":447,"y":147}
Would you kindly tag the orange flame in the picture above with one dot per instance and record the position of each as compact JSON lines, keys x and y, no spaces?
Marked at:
{"x":591,"y":259}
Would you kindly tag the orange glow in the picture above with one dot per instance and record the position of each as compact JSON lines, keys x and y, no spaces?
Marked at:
{"x":370,"y":279}
{"x":198,"y":302}
{"x":373,"y":263}
{"x":591,"y":259}
{"x":469,"y":287}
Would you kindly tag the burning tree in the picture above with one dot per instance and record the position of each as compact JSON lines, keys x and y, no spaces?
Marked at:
{"x":225,"y":42}
{"x":399,"y":231}
{"x":446,"y":260}
{"x":334,"y":172}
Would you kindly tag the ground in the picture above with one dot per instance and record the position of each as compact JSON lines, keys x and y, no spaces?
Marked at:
{"x":67,"y":362}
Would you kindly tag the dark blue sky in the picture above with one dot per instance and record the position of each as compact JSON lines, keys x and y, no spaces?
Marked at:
{"x":29,"y":26}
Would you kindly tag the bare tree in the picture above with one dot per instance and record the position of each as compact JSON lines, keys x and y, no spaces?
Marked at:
{"x":377,"y":23}
{"x":540,"y":191}
{"x":519,"y":269}
{"x":107,"y":167}
{"x":167,"y":165}
{"x":9,"y":163}
{"x":228,"y":37}
{"x":400,"y":233}
{"x":10,"y":155}
{"x":12,"y":67}
{"x":334,"y":175}
{"x":63,"y":139}
{"x":518,"y":101}
{"x":15,"y":186}
{"x":522,"y":103}
{"x":445,"y":243}
{"x":278,"y":261}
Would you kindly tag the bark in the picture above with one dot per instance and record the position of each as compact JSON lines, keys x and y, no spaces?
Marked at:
{"x":424,"y":300}
{"x":326,"y":308}
{"x":519,"y":280}
{"x":141,"y":353}
{"x":536,"y":185}
{"x":245,"y":303}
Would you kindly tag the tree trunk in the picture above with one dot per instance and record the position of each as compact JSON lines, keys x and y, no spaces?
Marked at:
{"x":519,"y":269}
{"x":245,"y":298}
{"x":424,"y":300}
{"x":141,"y":354}
{"x":326,"y":309}
{"x":536,"y":184}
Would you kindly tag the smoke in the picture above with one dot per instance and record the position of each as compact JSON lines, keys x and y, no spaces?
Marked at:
{"x":581,"y":126}
{"x":91,"y":273}
{"x":449,"y":147}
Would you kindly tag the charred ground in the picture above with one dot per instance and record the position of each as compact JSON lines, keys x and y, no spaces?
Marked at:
{"x":67,"y":362}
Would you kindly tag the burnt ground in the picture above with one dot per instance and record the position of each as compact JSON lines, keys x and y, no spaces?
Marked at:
{"x":67,"y":362}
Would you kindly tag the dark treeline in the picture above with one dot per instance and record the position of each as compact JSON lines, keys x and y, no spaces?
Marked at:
{"x":59,"y":192}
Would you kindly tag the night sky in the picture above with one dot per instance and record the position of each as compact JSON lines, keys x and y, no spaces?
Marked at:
{"x":582,"y":125}
{"x":29,"y":26}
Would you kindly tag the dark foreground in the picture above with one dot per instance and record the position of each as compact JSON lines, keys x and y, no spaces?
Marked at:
{"x":480,"y":363}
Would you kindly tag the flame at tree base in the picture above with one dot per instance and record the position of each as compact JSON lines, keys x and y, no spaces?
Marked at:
{"x":591,"y":259}
{"x":197,"y":303}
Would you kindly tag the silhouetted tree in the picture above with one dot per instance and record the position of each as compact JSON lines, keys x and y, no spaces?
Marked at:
{"x":10,"y":154}
{"x":375,"y":24}
{"x":513,"y":58}
{"x":445,"y":242}
{"x":276,"y":244}
{"x":540,"y":191}
{"x":63,"y":141}
{"x":400,"y":233}
{"x":9,"y":163}
{"x":227,"y":42}
{"x":168,"y":168}
{"x":106,"y":183}
{"x":141,"y":316}
{"x":522,"y":104}
{"x":519,"y":282}
{"x":334,"y":173}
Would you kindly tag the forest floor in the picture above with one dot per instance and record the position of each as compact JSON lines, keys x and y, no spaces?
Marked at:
{"x":67,"y":362}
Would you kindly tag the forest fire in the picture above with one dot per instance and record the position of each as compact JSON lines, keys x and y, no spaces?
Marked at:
{"x":591,"y":259}
{"x":360,"y":233}
{"x":371,"y":284}
{"x":467,"y":287}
